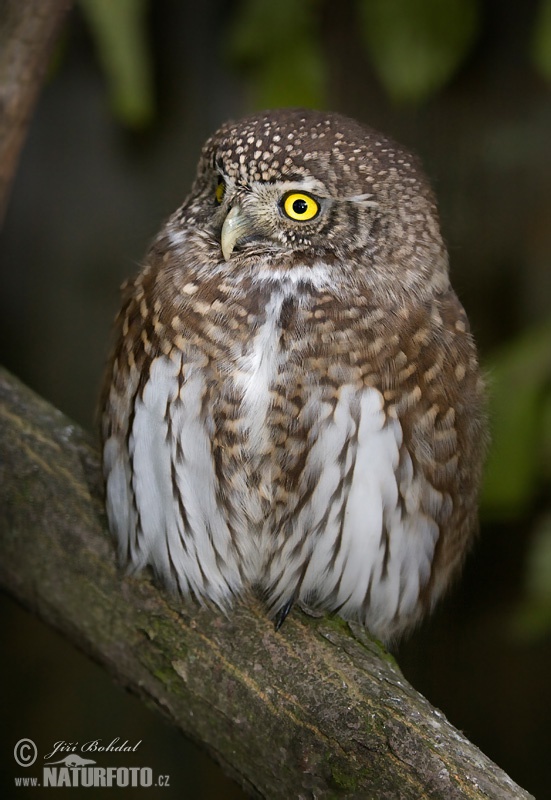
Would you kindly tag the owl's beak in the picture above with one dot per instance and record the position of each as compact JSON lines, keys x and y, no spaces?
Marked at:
{"x":236,"y":225}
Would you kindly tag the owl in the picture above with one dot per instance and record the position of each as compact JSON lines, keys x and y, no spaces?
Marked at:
{"x":293,"y":406}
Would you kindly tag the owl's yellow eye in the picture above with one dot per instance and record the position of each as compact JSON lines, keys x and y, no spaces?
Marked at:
{"x":220,"y":191}
{"x":300,"y":206}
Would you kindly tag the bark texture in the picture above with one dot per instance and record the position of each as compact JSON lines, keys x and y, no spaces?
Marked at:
{"x":317,"y":710}
{"x":28,"y":30}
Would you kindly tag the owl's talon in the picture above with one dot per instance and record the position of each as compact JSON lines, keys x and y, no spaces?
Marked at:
{"x":281,"y":615}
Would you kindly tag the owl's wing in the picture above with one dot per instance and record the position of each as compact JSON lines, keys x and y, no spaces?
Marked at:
{"x":161,"y":484}
{"x":393,"y":473}
{"x":357,"y":546}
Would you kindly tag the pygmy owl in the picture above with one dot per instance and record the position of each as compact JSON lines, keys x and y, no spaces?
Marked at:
{"x":294,"y":404}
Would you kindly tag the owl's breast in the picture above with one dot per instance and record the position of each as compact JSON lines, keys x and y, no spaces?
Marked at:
{"x":261,"y":402}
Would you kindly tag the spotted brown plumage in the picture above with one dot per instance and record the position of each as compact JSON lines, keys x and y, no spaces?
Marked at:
{"x":294,"y":404}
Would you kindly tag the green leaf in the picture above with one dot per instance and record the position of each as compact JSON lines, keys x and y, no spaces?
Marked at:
{"x":417,"y":45}
{"x":277,"y":46}
{"x":520,"y":380}
{"x":119,"y":30}
{"x":541,"y":46}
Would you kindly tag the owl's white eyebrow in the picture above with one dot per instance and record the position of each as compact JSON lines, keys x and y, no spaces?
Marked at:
{"x":361,"y":199}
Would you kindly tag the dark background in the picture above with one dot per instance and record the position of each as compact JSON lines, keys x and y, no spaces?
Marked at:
{"x":89,"y":195}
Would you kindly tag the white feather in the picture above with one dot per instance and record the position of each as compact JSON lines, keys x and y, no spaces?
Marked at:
{"x":191,"y":548}
{"x":257,"y":370}
{"x":372,"y":499}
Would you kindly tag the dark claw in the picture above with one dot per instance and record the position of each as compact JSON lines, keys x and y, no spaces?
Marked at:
{"x":282,"y":614}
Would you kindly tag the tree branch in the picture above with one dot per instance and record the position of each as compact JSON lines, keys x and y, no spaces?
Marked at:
{"x":315,"y":710}
{"x":28,"y":30}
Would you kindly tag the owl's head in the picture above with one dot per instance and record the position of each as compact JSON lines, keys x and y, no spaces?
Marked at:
{"x":296,"y":187}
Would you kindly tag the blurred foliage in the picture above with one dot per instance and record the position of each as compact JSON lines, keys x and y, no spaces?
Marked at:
{"x":277,"y":45}
{"x":417,"y":45}
{"x":119,"y":30}
{"x":519,"y":466}
{"x":520,"y":392}
{"x":532,"y":618}
{"x":542,"y":40}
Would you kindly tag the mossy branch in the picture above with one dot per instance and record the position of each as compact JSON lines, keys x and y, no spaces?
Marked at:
{"x":315,"y":710}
